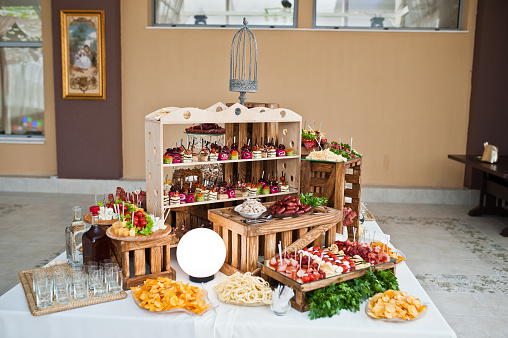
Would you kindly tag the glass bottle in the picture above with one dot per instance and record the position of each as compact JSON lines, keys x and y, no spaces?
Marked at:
{"x":74,"y":239}
{"x":96,"y":244}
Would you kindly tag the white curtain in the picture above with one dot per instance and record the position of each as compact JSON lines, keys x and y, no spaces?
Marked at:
{"x":21,"y":85}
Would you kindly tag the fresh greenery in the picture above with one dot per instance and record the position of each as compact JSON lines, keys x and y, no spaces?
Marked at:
{"x":343,"y":149}
{"x":313,"y":201}
{"x":328,"y":301}
{"x":308,"y":135}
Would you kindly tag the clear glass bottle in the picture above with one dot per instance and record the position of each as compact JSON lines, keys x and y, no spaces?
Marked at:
{"x":74,"y":239}
{"x":96,"y":244}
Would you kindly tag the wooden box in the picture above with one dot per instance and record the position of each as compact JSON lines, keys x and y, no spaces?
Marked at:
{"x":298,"y":302}
{"x":339,"y":182}
{"x":246,"y":242}
{"x":141,"y":260}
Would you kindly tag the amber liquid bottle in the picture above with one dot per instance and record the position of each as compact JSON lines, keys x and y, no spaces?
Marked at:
{"x":96,"y":244}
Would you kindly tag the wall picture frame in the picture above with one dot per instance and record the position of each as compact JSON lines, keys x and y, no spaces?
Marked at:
{"x":83,"y":54}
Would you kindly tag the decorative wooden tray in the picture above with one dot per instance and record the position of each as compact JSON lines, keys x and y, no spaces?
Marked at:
{"x":300,"y":289}
{"x":88,"y":219}
{"x":26,"y":281}
{"x":139,"y":238}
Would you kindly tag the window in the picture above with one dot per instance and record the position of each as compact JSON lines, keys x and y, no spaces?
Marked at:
{"x":388,"y":14}
{"x":222,"y":13}
{"x":21,"y":74}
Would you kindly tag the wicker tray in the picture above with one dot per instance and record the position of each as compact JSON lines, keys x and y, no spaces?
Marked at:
{"x":26,"y":281}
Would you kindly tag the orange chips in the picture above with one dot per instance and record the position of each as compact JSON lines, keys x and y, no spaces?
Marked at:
{"x":395,"y":304}
{"x":383,"y":247}
{"x":164,"y":294}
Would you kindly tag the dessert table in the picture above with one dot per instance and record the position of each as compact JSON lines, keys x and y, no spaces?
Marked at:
{"x":123,"y":317}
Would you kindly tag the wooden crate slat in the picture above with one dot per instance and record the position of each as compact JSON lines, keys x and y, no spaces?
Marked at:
{"x":139,"y":262}
{"x":270,"y":245}
{"x":156,"y":259}
{"x":352,"y":179}
{"x":235,"y":252}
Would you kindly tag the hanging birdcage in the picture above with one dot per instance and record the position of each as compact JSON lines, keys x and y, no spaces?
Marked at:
{"x":243,"y":76}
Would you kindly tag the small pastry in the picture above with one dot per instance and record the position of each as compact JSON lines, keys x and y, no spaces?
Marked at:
{"x":281,"y":153}
{"x":203,"y":155}
{"x":272,"y":152}
{"x":231,"y":193}
{"x":274,"y":189}
{"x":165,"y":200}
{"x":234,"y":154}
{"x":284,"y":188}
{"x":187,"y":157}
{"x":174,"y":199}
{"x":212,"y":196}
{"x":265,"y":190}
{"x":200,"y":197}
{"x":167,"y":158}
{"x":190,"y":198}
{"x":213,"y":156}
{"x":264,"y":152}
{"x":252,"y":190}
{"x":223,"y":196}
{"x":177,"y":158}
{"x":289,"y":152}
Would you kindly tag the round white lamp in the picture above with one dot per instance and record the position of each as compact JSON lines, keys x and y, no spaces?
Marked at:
{"x":201,"y":253}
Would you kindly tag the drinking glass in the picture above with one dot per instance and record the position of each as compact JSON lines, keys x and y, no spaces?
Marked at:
{"x":99,"y":282}
{"x":80,"y":284}
{"x":43,"y":290}
{"x":62,"y":288}
{"x":114,"y":279}
{"x":90,"y":264}
{"x":91,"y":270}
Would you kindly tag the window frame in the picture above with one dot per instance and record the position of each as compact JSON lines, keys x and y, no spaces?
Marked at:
{"x":166,"y":25}
{"x":418,"y":29}
{"x":28,"y":138}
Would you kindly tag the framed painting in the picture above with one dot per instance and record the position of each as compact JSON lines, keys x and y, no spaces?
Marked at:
{"x":83,"y":54}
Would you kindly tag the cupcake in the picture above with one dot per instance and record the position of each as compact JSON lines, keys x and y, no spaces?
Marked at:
{"x":200,"y":197}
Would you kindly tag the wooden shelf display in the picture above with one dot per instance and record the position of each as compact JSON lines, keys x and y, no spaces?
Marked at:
{"x":335,"y":181}
{"x":260,"y":122}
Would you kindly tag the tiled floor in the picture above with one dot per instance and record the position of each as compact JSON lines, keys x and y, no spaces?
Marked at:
{"x":462,"y":262}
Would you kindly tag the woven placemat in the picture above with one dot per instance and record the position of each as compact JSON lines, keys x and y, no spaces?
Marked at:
{"x":26,"y":281}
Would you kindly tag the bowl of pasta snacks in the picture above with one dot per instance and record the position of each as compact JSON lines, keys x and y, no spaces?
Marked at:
{"x":244,"y":289}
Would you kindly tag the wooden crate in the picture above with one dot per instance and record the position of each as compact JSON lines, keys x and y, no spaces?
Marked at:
{"x":133,"y":257}
{"x":245,"y":243}
{"x":298,"y":302}
{"x":335,"y":181}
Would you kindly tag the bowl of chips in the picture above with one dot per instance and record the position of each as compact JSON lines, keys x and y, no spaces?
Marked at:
{"x":395,"y":306}
{"x":164,"y":295}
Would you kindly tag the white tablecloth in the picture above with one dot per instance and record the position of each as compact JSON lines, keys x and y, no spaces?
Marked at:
{"x":123,"y":318}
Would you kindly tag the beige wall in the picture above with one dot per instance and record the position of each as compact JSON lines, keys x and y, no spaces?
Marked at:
{"x":37,"y":159}
{"x":403,"y":97}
